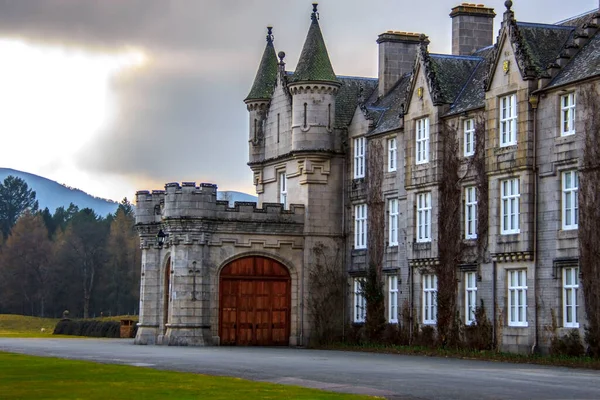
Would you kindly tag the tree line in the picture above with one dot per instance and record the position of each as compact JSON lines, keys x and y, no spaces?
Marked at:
{"x":72,"y":259}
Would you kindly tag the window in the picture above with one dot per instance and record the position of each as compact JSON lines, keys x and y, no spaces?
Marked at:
{"x":360,"y":226}
{"x":424,"y":217}
{"x":393,"y":222}
{"x":469,"y":137}
{"x":393,"y":299}
{"x":283,"y":189}
{"x":429,"y":299}
{"x":470,"y":297}
{"x":305,"y":115}
{"x":517,"y":298}
{"x":570,"y":289}
{"x":567,"y":114}
{"x":470,"y":212}
{"x":360,"y":302}
{"x":422,"y":140}
{"x":509,"y":206}
{"x":570,"y":200}
{"x":392,"y":154}
{"x":508,"y":120}
{"x":359,"y":157}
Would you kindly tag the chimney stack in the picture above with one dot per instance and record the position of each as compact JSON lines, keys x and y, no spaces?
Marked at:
{"x":472,"y":28}
{"x":397,"y":52}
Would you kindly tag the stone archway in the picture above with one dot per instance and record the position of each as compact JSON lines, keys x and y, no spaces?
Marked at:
{"x":254,"y":302}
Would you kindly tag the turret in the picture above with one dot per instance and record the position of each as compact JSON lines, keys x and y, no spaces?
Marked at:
{"x":313,"y":88}
{"x":259,"y":98}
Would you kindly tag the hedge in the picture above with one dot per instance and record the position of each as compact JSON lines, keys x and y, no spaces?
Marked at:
{"x":90,"y":327}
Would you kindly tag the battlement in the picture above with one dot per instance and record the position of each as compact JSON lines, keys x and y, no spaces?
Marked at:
{"x":186,"y":200}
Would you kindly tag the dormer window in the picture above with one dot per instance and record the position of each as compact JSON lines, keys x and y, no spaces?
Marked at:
{"x":508,"y":120}
{"x":469,"y":137}
{"x":422,"y":141}
{"x":359,"y":158}
{"x":567,"y":114}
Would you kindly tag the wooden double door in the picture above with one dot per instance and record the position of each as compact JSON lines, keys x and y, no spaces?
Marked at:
{"x":255,"y":301}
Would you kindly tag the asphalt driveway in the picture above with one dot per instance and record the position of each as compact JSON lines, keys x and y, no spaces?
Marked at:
{"x":387,"y":375}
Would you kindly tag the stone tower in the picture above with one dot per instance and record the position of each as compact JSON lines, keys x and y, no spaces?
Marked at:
{"x":259,"y":98}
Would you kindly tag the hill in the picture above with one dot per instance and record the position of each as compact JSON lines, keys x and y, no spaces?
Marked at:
{"x":52,"y":194}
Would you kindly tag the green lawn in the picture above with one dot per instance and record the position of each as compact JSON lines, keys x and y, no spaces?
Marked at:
{"x":27,"y":377}
{"x":23,"y":326}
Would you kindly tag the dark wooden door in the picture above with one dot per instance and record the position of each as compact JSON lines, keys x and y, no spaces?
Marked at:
{"x":254,"y":303}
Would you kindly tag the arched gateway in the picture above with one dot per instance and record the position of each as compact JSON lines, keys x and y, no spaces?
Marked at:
{"x":254,"y":303}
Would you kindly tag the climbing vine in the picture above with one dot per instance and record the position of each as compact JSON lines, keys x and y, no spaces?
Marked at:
{"x":589,"y":217}
{"x":373,"y":287}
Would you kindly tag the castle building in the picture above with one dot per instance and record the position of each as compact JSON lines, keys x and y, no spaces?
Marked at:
{"x":506,"y":117}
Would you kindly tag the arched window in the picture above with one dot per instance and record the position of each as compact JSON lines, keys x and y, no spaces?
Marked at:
{"x":255,"y":134}
{"x":329,"y":116}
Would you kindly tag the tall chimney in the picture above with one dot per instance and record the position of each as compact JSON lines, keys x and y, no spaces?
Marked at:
{"x":397,"y":52}
{"x":472,"y":28}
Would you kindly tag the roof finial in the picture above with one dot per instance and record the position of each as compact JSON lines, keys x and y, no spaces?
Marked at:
{"x":270,"y":34}
{"x":315,"y":15}
{"x":281,"y":56}
{"x":508,"y":14}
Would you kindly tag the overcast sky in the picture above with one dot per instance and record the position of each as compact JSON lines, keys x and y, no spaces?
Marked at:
{"x":114,"y":96}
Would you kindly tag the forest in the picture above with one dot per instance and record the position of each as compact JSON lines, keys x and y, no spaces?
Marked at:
{"x":71,"y":260}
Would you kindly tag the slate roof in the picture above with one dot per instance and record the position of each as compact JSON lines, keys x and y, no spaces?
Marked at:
{"x":385,"y":111}
{"x":472,"y":95}
{"x":585,"y":64}
{"x":266,"y":76}
{"x":314,"y":63}
{"x":578,"y":20}
{"x":353,"y":90}
{"x":451,"y":73}
{"x":543,"y":43}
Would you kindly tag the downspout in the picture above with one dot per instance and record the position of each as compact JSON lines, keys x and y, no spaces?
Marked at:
{"x":494,"y":306}
{"x":344,"y":245}
{"x":533,"y":100}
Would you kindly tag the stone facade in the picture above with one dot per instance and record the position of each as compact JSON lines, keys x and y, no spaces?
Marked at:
{"x":308,"y":149}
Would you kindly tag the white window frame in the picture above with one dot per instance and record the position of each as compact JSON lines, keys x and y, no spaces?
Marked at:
{"x":392,"y":155}
{"x":508,"y":120}
{"x":422,"y":141}
{"x":470,"y":212}
{"x":393,"y":222}
{"x":359,"y":157}
{"x":469,"y":137}
{"x":360,"y":226}
{"x":570,"y":291}
{"x":423,"y":217}
{"x":517,"y":297}
{"x":510,"y":195}
{"x":360,"y":302}
{"x":283,"y":190}
{"x":430,"y":299}
{"x":393,"y":299}
{"x":567,"y":114}
{"x":570,"y":200}
{"x":470,"y":297}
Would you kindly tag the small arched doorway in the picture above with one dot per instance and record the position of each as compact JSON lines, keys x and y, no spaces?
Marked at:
{"x":166,"y":294}
{"x":254,"y":303}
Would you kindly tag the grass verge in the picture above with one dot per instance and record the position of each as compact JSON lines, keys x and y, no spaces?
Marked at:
{"x":27,"y":377}
{"x":558,"y":361}
{"x":23,"y":326}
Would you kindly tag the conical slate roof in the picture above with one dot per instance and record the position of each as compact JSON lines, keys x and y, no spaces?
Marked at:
{"x":314,"y":64}
{"x":266,"y":76}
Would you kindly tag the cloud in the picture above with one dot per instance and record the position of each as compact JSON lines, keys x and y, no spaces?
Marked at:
{"x":181,"y":117}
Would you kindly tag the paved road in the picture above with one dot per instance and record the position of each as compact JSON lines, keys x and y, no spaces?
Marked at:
{"x":387,"y":375}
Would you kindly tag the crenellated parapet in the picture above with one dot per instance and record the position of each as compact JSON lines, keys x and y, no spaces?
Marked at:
{"x":185,"y":206}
